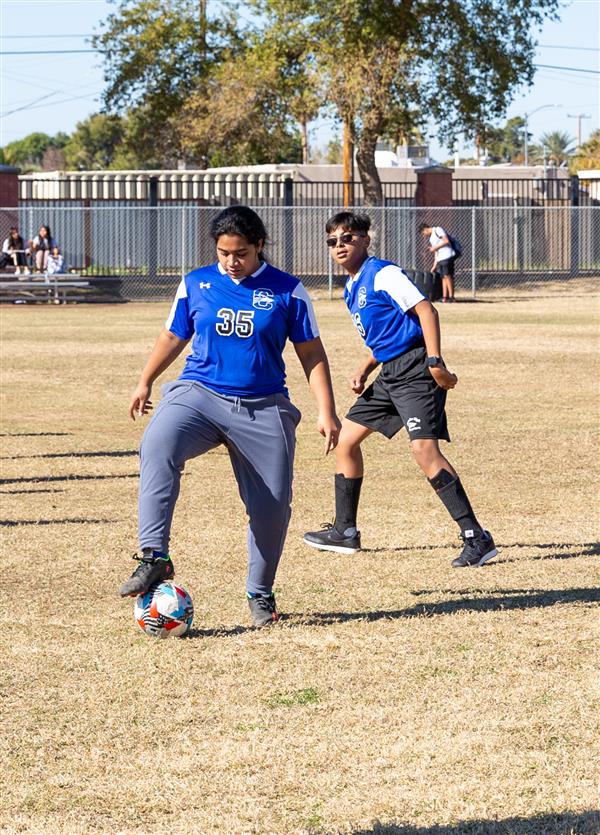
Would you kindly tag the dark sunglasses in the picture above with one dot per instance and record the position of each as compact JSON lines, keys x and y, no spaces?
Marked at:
{"x":346,"y":238}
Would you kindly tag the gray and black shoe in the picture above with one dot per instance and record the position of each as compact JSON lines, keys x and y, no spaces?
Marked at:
{"x":151,"y":570}
{"x":263,"y":609}
{"x":330,"y":539}
{"x":477,"y":550}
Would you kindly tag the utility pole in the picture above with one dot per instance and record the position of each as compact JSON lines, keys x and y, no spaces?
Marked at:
{"x":579,"y":117}
{"x":347,"y":165}
{"x":202,"y":18}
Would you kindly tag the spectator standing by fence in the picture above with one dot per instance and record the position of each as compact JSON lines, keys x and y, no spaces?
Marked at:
{"x":444,"y":257}
{"x":15,"y":252}
{"x":42,"y":245}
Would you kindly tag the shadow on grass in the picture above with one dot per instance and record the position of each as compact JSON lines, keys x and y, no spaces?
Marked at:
{"x":14,"y":523}
{"x":119,"y":453}
{"x":503,"y":600}
{"x":35,"y":434}
{"x":44,"y":479}
{"x":577,"y":549}
{"x":41,"y":490}
{"x":565,"y":823}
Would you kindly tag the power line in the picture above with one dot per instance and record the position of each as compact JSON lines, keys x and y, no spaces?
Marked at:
{"x":570,"y":69}
{"x":54,"y":36}
{"x":47,"y":52}
{"x":577,"y":48}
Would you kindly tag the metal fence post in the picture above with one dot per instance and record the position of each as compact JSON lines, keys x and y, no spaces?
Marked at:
{"x":183,"y":240}
{"x":153,"y":229}
{"x":329,"y":265}
{"x":288,"y":226}
{"x":473,"y":260}
{"x":574,"y":211}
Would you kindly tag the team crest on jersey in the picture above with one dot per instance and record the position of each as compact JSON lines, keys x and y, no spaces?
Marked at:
{"x":362,"y":297}
{"x":263,"y":299}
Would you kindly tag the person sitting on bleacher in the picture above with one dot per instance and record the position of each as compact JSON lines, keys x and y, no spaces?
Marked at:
{"x":15,"y":252}
{"x":56,"y":262}
{"x":42,"y":245}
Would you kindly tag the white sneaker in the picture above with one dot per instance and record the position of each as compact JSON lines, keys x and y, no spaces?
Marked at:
{"x":27,"y":271}
{"x":17,"y":270}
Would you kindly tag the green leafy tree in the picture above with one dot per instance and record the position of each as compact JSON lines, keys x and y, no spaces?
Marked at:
{"x":250,"y":110}
{"x":27,"y":153}
{"x":384,"y":67}
{"x":157,"y":53}
{"x":588,"y":155}
{"x":95,"y":142}
{"x":506,"y":143}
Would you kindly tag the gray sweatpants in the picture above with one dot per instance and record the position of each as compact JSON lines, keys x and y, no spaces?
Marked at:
{"x":260,"y":436}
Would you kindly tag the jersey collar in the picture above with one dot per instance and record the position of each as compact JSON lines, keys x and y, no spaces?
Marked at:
{"x":262,"y":267}
{"x":352,"y":280}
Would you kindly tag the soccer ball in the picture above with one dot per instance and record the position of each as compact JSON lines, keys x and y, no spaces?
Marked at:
{"x":165,"y":609}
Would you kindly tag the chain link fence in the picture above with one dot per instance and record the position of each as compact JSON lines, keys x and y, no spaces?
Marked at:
{"x":144,"y":251}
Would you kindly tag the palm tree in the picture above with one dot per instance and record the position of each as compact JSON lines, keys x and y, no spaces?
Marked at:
{"x":557,"y":145}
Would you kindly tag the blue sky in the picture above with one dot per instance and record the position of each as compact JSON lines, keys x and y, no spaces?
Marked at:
{"x":53,"y":92}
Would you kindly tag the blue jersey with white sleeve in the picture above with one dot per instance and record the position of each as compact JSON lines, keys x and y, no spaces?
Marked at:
{"x":379,"y":298}
{"x":239,"y":328}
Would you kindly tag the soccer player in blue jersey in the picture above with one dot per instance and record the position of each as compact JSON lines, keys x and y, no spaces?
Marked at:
{"x":401,"y":329}
{"x":239,"y":314}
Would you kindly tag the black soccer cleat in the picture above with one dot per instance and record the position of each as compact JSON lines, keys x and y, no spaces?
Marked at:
{"x":330,"y":539}
{"x":151,"y":570}
{"x":263,"y":609}
{"x":477,"y":550}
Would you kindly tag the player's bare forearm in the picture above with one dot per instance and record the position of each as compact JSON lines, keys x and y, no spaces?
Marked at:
{"x":359,"y":378}
{"x":314,"y":361}
{"x":430,"y":325}
{"x":166,"y":349}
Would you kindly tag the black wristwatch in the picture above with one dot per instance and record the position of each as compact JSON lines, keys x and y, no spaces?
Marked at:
{"x":433,"y":362}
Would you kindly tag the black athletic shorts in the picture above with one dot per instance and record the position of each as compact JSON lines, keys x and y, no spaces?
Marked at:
{"x":404,"y":394}
{"x":446,"y":267}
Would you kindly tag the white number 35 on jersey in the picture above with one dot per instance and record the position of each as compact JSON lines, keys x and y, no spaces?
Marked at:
{"x":239,"y":322}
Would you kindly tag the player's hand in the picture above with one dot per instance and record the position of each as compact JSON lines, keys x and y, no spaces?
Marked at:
{"x":357,"y":382}
{"x":140,"y":403}
{"x":329,"y":426}
{"x":444,"y":378}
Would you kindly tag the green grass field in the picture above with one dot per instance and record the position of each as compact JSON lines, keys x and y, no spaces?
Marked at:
{"x":398,"y":695}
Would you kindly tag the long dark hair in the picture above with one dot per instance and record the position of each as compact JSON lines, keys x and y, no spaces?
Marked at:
{"x":242,"y":221}
{"x":15,"y":243}
{"x":49,"y":236}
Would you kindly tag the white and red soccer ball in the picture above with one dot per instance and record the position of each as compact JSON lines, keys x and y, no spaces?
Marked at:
{"x":164,"y":610}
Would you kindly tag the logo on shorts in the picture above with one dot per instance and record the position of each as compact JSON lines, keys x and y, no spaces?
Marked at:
{"x":413,"y":424}
{"x":362,"y":297}
{"x":263,"y":299}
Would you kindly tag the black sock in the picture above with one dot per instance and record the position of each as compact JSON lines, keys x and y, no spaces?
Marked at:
{"x":347,"y":494}
{"x":455,"y":500}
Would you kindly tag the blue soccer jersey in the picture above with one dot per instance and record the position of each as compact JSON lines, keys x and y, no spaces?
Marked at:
{"x":239,"y":329}
{"x":379,"y":298}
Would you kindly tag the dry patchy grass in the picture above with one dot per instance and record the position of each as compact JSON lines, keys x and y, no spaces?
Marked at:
{"x":398,"y":695}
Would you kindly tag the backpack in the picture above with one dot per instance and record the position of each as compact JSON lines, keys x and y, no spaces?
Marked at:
{"x":455,"y":244}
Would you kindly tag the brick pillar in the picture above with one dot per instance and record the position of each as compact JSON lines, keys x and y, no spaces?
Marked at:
{"x":9,"y":198}
{"x":434,"y":186}
{"x":434,"y":189}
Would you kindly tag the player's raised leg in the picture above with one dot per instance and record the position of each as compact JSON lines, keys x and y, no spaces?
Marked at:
{"x":343,"y":536}
{"x":179,"y":430}
{"x":479,"y":546}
